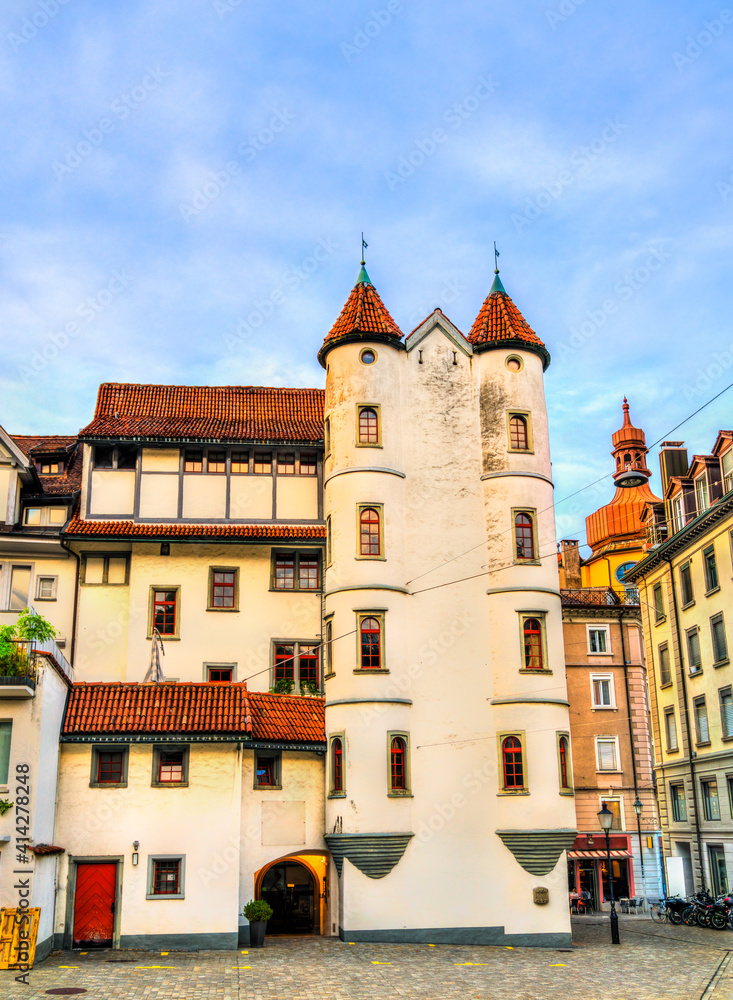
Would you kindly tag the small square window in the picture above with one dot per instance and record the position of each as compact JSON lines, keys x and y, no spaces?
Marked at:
{"x":170,"y":766}
{"x":220,"y":675}
{"x":263,"y":463}
{"x":109,"y":767}
{"x":46,"y":588}
{"x":285,"y":464}
{"x":307,"y":463}
{"x":126,"y":457}
{"x":268,"y":770}
{"x":103,"y":457}
{"x":166,"y":877}
{"x":223,"y":589}
{"x":193,"y":461}
{"x":50,"y":468}
{"x":240,"y":462}
{"x":33,"y":516}
{"x":216,"y":462}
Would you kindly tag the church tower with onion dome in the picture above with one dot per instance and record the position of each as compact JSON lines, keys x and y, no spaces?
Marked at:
{"x":446,"y":704}
{"x":615,"y":532}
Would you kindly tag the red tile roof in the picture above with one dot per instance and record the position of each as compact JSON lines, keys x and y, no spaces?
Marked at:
{"x":42,"y":444}
{"x":131,"y":529}
{"x":34,"y":446}
{"x":157,"y":708}
{"x":207,"y":413}
{"x":192,"y":708}
{"x":286,"y":717}
{"x":364,"y":317}
{"x":500,"y":324}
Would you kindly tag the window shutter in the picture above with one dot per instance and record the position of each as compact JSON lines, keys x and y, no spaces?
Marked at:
{"x":726,"y":712}
{"x":701,"y":716}
{"x":606,"y":755}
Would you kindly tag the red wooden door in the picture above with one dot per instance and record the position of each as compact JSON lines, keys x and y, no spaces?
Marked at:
{"x":94,"y":905}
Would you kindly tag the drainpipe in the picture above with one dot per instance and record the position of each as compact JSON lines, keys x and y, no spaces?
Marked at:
{"x":64,"y":545}
{"x":687,"y":722}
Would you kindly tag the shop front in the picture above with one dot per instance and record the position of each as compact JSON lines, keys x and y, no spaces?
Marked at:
{"x":588,"y":868}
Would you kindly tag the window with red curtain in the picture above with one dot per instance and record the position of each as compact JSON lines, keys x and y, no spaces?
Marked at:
{"x":518,"y":437}
{"x":533,"y":657}
{"x":368,"y":426}
{"x":397,"y":764}
{"x":337,"y":765}
{"x":369,"y":532}
{"x":371,"y":644}
{"x":564,"y":783}
{"x":511,"y":750}
{"x":524,"y":536}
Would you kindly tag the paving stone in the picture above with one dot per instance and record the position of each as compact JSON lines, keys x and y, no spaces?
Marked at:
{"x":654,"y":962}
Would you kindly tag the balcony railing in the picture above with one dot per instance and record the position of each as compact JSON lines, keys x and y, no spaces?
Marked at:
{"x":599,"y":597}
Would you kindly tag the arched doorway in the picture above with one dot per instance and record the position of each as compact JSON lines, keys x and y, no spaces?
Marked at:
{"x":290,"y":889}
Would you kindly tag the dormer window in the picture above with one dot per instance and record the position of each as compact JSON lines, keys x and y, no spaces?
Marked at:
{"x":43,"y":517}
{"x":701,"y":493}
{"x":50,"y":467}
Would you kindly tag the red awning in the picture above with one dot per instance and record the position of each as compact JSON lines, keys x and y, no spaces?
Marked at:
{"x":598,"y":854}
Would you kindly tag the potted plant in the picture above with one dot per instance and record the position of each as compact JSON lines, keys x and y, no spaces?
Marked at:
{"x":308,"y":688}
{"x":284,"y":685}
{"x":258,"y":912}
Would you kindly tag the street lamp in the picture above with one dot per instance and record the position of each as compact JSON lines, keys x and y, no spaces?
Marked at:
{"x":605,"y":818}
{"x":637,"y":809}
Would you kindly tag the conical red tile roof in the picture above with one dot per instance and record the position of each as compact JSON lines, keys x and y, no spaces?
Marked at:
{"x":364,"y":317}
{"x":500,"y":324}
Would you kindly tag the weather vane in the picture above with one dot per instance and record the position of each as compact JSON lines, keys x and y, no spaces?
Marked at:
{"x":364,"y":246}
{"x":496,"y":259}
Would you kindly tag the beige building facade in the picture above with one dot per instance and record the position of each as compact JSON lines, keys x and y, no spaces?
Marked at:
{"x":686,"y":583}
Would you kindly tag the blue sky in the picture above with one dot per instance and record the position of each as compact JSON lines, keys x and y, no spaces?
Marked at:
{"x":185,"y":184}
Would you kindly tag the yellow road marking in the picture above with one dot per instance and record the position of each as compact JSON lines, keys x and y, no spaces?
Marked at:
{"x":431,"y":946}
{"x":470,"y":963}
{"x":68,"y":966}
{"x":558,"y":965}
{"x":164,"y":953}
{"x":245,"y":953}
{"x":381,"y":963}
{"x":509,"y":947}
{"x":155,"y":967}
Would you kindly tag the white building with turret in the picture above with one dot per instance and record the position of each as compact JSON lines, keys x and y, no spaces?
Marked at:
{"x":360,"y":713}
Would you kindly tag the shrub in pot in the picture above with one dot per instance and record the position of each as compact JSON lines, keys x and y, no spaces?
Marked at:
{"x":258,"y":912}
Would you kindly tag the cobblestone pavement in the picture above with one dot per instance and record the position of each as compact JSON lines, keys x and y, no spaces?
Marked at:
{"x":671,"y":963}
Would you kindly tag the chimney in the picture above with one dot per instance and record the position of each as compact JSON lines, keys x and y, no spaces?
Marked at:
{"x":672,"y":461}
{"x":570,"y":567}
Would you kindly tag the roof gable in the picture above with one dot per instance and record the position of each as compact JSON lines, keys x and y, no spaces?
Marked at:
{"x":439,"y":322}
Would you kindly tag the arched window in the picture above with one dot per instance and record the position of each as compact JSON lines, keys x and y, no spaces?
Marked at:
{"x":524,"y":536}
{"x":371,"y":644}
{"x":563,"y":749}
{"x":397,"y":764}
{"x":368,"y":426}
{"x":533,"y":655}
{"x":369,"y":533}
{"x":337,"y":765}
{"x":511,"y":750}
{"x":518,"y":436}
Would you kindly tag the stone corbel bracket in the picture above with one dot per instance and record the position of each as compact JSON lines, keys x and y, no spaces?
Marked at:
{"x":537,"y":851}
{"x":374,"y":854}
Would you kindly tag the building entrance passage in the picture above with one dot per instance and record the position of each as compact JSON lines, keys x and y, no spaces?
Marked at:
{"x":94,"y":904}
{"x":290,"y":890}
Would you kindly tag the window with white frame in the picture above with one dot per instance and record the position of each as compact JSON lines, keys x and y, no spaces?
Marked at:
{"x":46,"y":588}
{"x":726,"y":466}
{"x":615,"y":807}
{"x":701,"y":492}
{"x":599,"y":640}
{"x":607,"y":755}
{"x":602,"y":691}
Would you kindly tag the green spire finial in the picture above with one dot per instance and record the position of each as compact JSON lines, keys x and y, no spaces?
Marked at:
{"x":363,"y":278}
{"x":497,"y":286}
